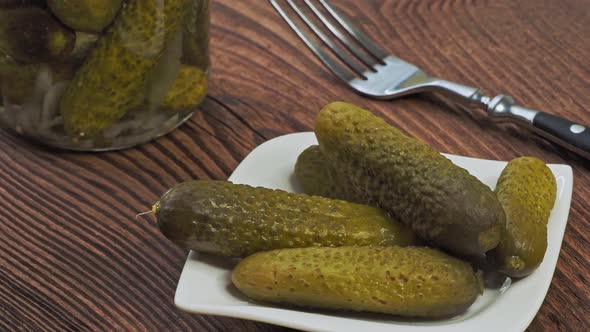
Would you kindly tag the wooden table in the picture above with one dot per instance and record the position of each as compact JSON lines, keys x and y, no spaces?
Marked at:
{"x":73,"y":256}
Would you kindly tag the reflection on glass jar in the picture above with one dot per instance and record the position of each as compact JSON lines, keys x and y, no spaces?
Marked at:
{"x":101,"y":74}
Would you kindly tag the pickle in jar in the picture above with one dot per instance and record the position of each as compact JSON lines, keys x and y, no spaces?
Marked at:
{"x":173,"y":86}
{"x":85,"y":15}
{"x":195,"y":41}
{"x":16,"y":80}
{"x":188,"y":90}
{"x":33,"y":35}
{"x":113,"y":78}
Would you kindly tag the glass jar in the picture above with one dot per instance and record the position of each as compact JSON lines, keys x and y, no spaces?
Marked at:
{"x":101,"y":74}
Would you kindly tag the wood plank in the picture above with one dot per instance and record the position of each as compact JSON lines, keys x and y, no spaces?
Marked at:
{"x":74,"y":258}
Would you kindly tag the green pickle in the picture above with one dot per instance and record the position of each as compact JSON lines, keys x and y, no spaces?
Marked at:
{"x":234,"y":220}
{"x":32,"y":35}
{"x":188,"y":90}
{"x":101,"y":75}
{"x":442,"y":202}
{"x":317,"y":177}
{"x":196,"y":34}
{"x":404,"y":281}
{"x":85,"y":15}
{"x":16,"y":80}
{"x":113,"y":78}
{"x":526,"y":189}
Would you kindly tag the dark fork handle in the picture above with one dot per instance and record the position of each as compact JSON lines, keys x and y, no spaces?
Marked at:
{"x":565,"y":132}
{"x":573,"y":136}
{"x":570,"y":135}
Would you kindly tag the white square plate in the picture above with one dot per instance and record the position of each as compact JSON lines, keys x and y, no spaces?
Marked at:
{"x":205,"y":286}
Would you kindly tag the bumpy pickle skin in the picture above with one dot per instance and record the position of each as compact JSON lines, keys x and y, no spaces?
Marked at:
{"x":442,"y":202}
{"x":188,"y":90}
{"x":410,"y":281}
{"x":526,"y":189}
{"x":31,"y":35}
{"x":317,"y":177}
{"x":227,"y":219}
{"x":113,"y":79}
{"x":85,"y":15}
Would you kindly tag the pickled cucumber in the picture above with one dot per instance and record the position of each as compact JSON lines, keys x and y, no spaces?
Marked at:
{"x":526,"y":189}
{"x":85,"y":15}
{"x":162,"y":76}
{"x":32,"y":35}
{"x":318,"y":177}
{"x":410,"y":281}
{"x":227,"y":219}
{"x":16,"y":80}
{"x":442,"y":202}
{"x":189,"y":88}
{"x":196,"y":34}
{"x":113,"y":79}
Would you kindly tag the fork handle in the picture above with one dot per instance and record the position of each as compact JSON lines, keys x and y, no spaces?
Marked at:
{"x":570,"y":135}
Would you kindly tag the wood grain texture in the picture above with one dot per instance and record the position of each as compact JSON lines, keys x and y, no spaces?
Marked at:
{"x":74,"y":258}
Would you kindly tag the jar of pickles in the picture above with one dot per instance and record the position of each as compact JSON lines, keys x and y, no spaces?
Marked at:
{"x":101,"y":74}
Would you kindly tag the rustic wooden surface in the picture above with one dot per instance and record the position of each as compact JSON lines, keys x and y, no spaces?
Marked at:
{"x":73,"y":256}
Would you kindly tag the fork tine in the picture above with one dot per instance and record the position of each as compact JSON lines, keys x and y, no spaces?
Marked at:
{"x":352,"y":47}
{"x":343,"y":73}
{"x":340,"y":53}
{"x":367,"y":43}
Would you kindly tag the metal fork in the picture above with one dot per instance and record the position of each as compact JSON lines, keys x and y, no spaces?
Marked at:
{"x":373,"y":72}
